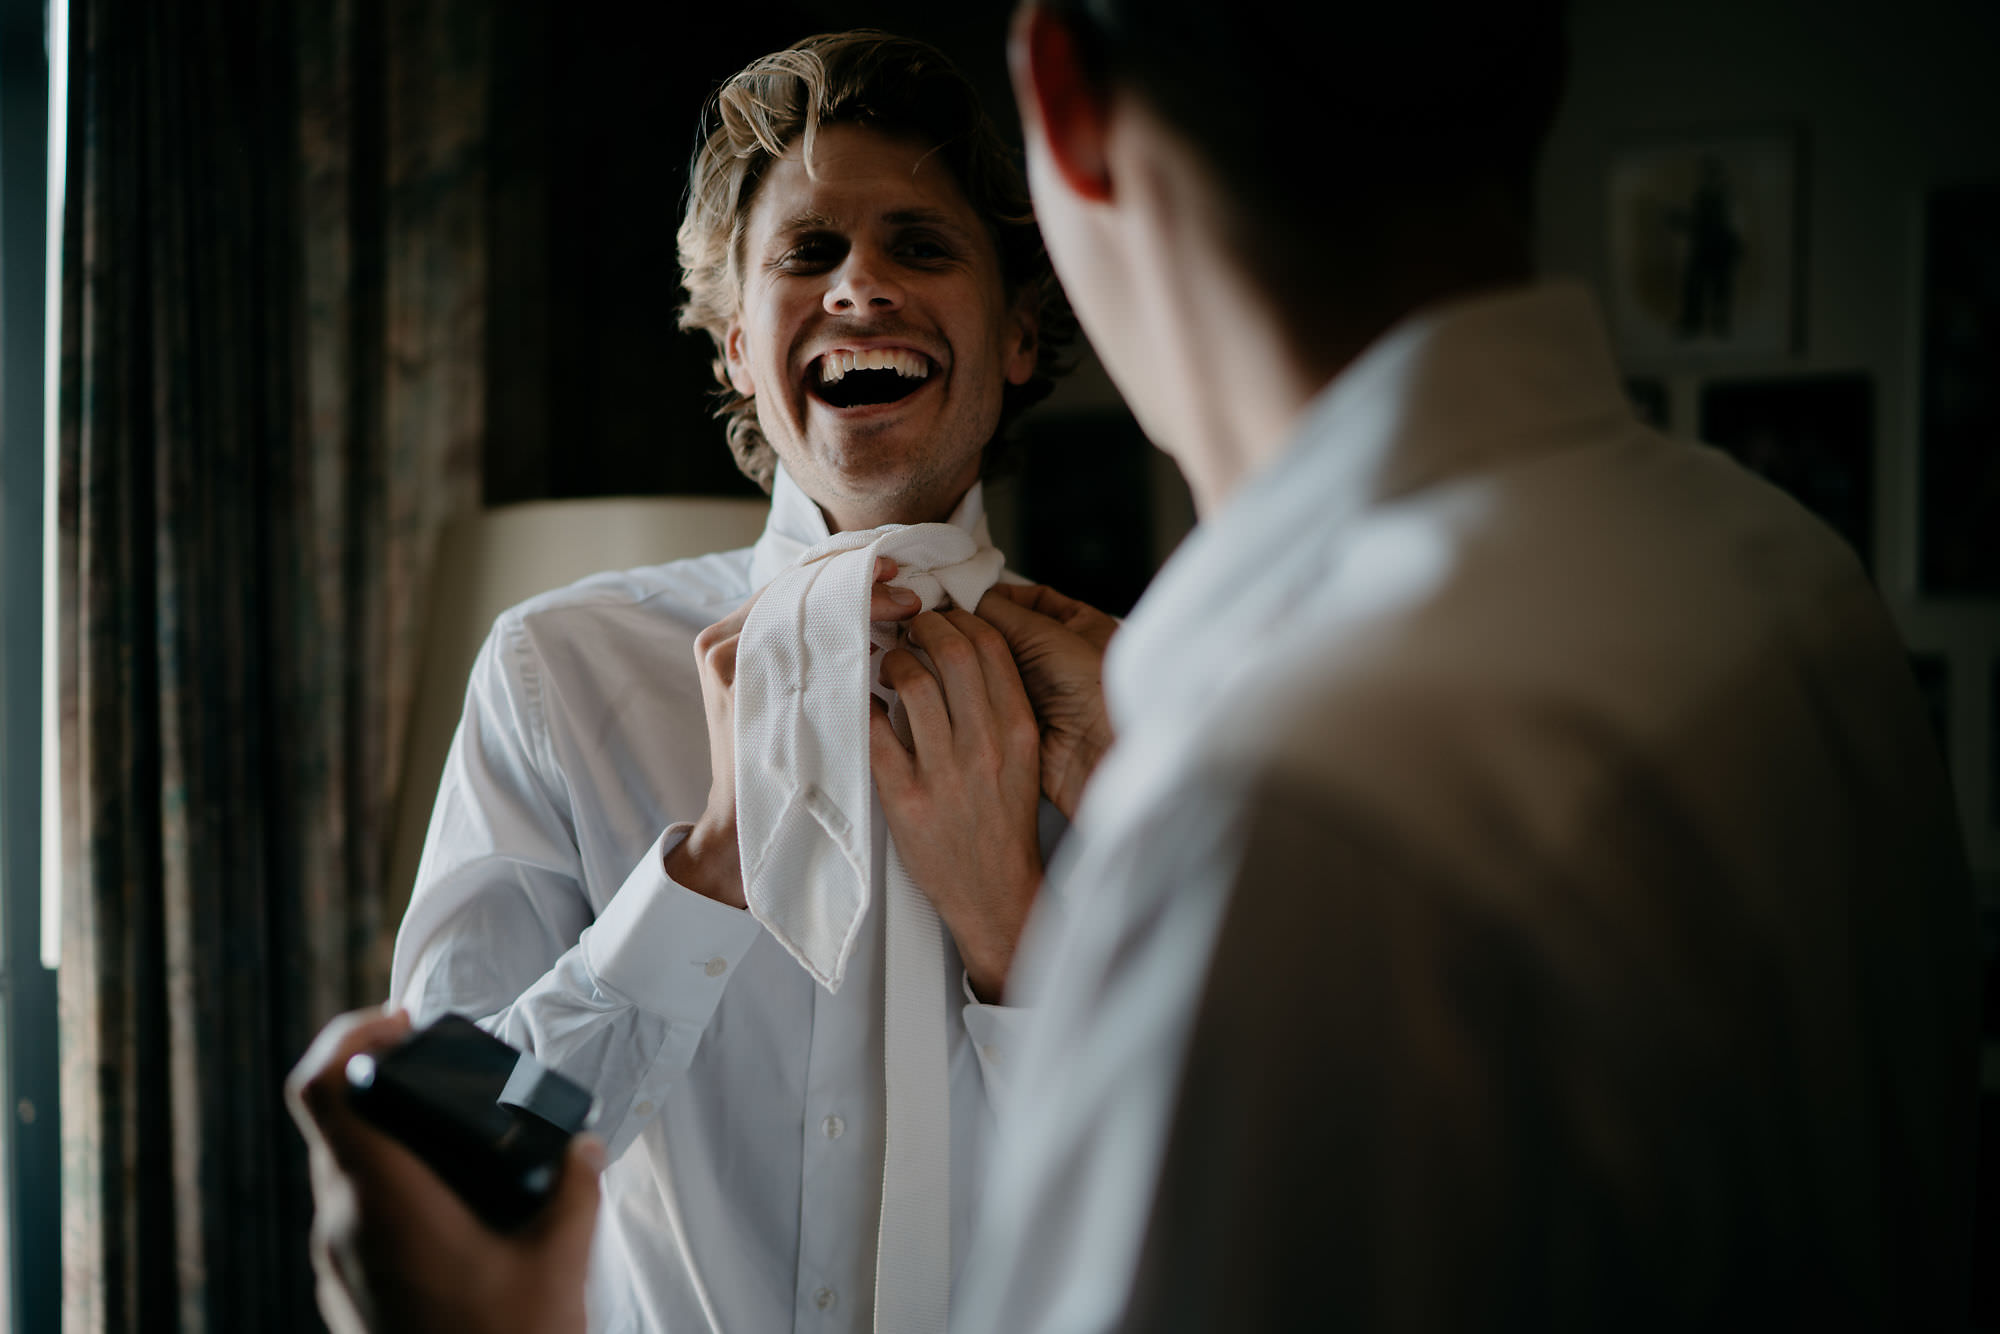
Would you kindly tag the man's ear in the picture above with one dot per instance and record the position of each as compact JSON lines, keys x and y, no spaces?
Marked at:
{"x":1027,"y":319}
{"x":739,"y":365}
{"x":1059,"y":101}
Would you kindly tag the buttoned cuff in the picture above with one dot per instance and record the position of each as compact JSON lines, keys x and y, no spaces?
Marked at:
{"x":995,"y":1031}
{"x":665,"y":947}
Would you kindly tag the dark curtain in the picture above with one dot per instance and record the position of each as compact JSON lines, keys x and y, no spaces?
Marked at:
{"x":273,"y":310}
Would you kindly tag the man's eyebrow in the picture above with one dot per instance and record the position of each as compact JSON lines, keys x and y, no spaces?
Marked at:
{"x":807,"y":220}
{"x":922,"y":217}
{"x":814,"y":220}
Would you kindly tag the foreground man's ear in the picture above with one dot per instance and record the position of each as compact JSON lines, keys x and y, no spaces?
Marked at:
{"x":1059,"y":102}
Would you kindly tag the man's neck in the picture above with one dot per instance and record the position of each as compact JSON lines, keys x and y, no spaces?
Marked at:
{"x":1271,"y":370}
{"x":1273,"y":352}
{"x":847,"y":514}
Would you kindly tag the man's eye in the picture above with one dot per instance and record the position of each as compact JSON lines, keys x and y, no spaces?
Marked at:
{"x":810,"y":255}
{"x":925,"y":249}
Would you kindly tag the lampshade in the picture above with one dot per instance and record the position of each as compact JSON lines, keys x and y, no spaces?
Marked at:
{"x":492,"y":559}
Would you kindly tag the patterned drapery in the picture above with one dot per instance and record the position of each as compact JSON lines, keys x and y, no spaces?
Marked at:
{"x":272,"y":390}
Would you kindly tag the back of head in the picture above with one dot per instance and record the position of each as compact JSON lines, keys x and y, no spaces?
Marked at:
{"x":1330,"y":125}
{"x":894,"y":85}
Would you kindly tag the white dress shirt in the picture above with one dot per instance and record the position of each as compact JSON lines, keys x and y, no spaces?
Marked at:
{"x":742,"y":1104}
{"x":1562,"y":799}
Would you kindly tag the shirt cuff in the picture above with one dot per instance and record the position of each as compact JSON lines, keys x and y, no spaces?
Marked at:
{"x":995,"y":1031}
{"x":667,"y":948}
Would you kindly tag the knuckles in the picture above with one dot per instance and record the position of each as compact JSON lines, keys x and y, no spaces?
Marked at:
{"x":954,"y":651}
{"x":980,"y":632}
{"x":710,"y":636}
{"x":715,"y":650}
{"x":317,"y":1093}
{"x":901,"y":672}
{"x":1024,"y":734}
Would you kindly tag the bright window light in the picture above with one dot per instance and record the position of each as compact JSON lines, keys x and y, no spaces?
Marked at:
{"x":51,"y":378}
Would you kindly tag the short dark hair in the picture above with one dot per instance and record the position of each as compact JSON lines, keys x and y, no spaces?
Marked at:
{"x":1398,"y":101}
{"x":895,"y":85}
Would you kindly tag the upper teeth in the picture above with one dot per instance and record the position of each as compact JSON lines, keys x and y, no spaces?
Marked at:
{"x":834,"y":366}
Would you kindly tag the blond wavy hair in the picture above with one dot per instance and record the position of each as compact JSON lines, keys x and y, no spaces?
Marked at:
{"x":891,"y":84}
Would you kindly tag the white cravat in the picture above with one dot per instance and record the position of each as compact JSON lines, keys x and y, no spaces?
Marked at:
{"x":804,"y":801}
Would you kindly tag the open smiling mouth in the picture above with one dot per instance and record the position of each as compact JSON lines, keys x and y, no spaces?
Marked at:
{"x":861,"y":379}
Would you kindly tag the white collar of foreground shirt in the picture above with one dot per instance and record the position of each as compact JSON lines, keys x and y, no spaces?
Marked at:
{"x":797,"y":523}
{"x":1453,"y":389}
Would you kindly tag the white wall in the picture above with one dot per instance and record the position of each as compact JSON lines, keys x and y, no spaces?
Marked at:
{"x":1892,"y":100}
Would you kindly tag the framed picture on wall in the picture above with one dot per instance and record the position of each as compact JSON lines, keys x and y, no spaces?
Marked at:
{"x":1811,"y":435}
{"x":1704,"y":246}
{"x":1959,"y":530}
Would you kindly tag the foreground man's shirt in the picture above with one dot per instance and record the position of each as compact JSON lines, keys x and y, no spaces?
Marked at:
{"x":741,"y":1103}
{"x":1523,"y":894}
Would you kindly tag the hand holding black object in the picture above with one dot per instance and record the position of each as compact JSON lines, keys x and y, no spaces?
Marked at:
{"x":395,"y":1249}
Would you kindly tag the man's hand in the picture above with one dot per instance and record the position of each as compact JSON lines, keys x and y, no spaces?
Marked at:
{"x":1058,"y":644}
{"x":707,"y":860}
{"x":960,"y":800}
{"x":395,"y":1249}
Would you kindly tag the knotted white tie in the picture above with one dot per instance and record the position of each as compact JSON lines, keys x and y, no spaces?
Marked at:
{"x":804,"y":796}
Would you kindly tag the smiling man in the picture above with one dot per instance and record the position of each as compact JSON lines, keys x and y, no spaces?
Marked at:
{"x":875,"y":336}
{"x":861,"y":249}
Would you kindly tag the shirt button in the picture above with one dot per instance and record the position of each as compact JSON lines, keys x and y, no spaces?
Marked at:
{"x":716,"y":967}
{"x":644,"y":1109}
{"x":833,"y":1127}
{"x":824,"y":1299}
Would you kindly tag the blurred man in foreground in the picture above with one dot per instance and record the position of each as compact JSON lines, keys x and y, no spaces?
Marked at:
{"x":1523,"y":892}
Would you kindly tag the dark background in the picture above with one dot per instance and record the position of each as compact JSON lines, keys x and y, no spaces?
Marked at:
{"x":1810,"y":435}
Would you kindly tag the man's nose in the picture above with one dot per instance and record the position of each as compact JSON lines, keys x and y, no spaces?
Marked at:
{"x":863,"y":284}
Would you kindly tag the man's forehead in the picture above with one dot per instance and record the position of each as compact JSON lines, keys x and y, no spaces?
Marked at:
{"x":860,"y":176}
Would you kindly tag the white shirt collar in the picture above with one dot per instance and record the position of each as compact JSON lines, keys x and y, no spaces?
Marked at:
{"x":797,"y":523}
